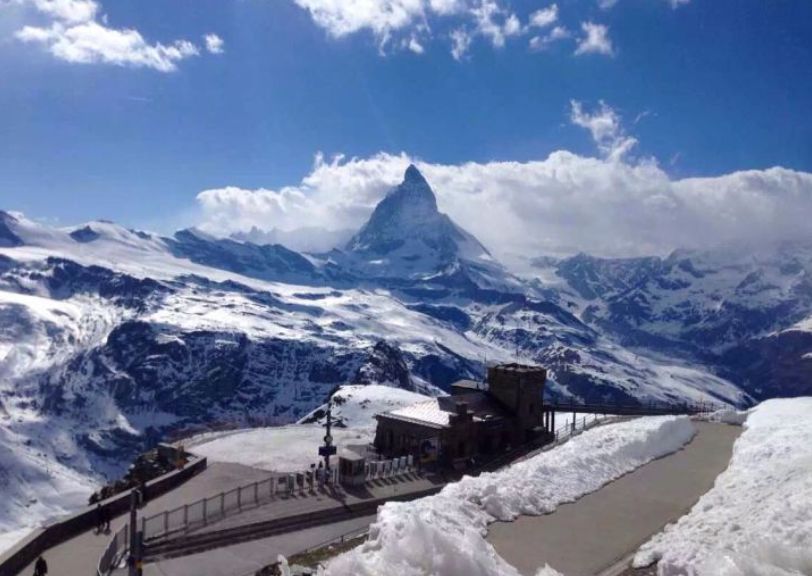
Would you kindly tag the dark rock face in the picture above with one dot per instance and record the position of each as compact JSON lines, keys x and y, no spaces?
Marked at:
{"x":8,"y":239}
{"x":384,"y":363}
{"x":269,"y":262}
{"x":85,"y":234}
{"x":778,"y":365}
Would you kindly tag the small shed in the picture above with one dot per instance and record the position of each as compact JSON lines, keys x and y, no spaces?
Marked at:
{"x":351,"y":468}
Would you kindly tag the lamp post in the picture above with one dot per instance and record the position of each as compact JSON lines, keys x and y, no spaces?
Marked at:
{"x":135,"y":558}
{"x":328,"y":449}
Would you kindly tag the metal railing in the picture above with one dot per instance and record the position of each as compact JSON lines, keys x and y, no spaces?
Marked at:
{"x":213,"y":508}
{"x":115,"y":551}
{"x":653,"y":408}
{"x":202,"y":512}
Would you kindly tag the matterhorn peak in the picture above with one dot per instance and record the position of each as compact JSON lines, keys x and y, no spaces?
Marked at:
{"x":407,"y":236}
{"x":413,"y":176}
{"x":413,"y":194}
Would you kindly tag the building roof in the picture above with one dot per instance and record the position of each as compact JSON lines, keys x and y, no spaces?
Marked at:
{"x":469,"y":385}
{"x":436,"y":413}
{"x":516,"y":367}
{"x":428,"y":413}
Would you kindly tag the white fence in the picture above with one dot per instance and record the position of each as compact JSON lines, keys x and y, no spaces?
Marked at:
{"x":388,"y":468}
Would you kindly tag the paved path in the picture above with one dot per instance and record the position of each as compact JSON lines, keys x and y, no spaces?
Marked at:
{"x":246,"y":558}
{"x":600,"y":529}
{"x":315,"y":501}
{"x":79,"y":556}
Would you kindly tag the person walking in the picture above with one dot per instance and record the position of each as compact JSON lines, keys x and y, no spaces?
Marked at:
{"x":102,"y":520}
{"x":106,"y":520}
{"x":99,"y":518}
{"x":40,"y":567}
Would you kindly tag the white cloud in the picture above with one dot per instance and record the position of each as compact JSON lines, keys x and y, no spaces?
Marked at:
{"x":68,"y":10}
{"x":76,"y":33}
{"x":460,"y":43}
{"x":544,"y":17}
{"x":214,"y":44}
{"x":604,"y":124}
{"x":382,"y":17}
{"x":415,"y":46}
{"x":595,"y":40}
{"x":554,"y":35}
{"x":407,"y":23}
{"x":607,"y":4}
{"x":559,"y":205}
{"x":495,"y":23}
{"x":446,"y":7}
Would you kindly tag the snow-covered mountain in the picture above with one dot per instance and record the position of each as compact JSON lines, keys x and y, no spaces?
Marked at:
{"x":407,"y":237}
{"x":741,"y":310}
{"x":113,"y":338}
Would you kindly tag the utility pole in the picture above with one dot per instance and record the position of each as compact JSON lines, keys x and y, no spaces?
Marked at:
{"x":135,"y":559}
{"x":328,"y":449}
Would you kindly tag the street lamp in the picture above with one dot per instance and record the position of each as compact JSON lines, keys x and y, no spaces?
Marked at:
{"x":328,"y":449}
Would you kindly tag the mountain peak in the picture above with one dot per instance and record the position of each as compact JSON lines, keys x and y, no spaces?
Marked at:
{"x":414,"y":176}
{"x":408,"y":236}
{"x":412,"y":195}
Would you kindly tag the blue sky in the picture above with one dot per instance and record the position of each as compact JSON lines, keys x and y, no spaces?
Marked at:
{"x":705,"y":88}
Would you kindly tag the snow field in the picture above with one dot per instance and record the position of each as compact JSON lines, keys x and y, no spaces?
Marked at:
{"x":355,"y":405}
{"x":35,"y":486}
{"x":278,"y":449}
{"x":757,"y":519}
{"x":444,"y":535}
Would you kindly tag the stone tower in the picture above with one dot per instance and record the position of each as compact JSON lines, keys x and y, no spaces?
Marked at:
{"x":519,"y":388}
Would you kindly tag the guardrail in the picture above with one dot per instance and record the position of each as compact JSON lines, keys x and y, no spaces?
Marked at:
{"x":206,"y":510}
{"x":26,"y":551}
{"x":640,"y":409}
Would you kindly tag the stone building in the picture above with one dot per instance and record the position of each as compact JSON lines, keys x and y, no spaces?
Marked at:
{"x":479,"y":419}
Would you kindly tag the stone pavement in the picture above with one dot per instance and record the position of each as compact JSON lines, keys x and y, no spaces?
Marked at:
{"x":602,"y":529}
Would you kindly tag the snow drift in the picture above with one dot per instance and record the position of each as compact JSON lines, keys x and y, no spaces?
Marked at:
{"x":444,"y":534}
{"x":757,"y":519}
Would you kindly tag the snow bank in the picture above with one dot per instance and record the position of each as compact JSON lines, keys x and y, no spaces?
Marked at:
{"x":757,"y":519}
{"x":279,"y":449}
{"x":444,"y":534}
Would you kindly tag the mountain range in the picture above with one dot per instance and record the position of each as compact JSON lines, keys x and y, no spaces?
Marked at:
{"x":113,"y":338}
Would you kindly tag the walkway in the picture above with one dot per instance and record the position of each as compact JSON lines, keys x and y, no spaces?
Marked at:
{"x":599,"y":530}
{"x":246,"y":558}
{"x":389,"y":488}
{"x":79,"y":556}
